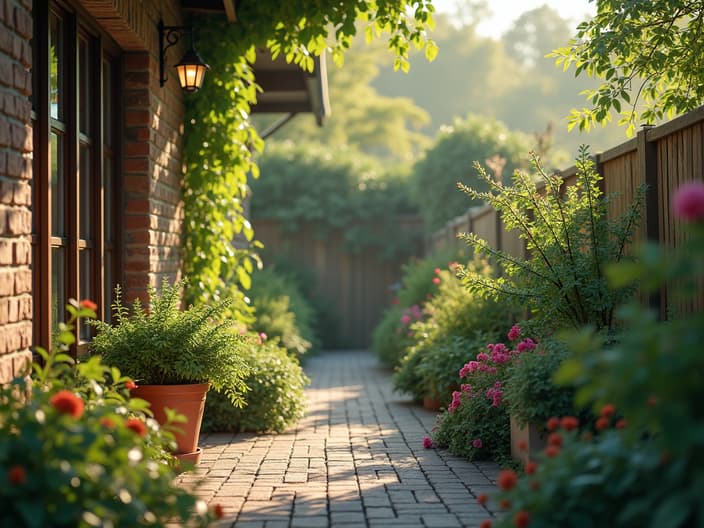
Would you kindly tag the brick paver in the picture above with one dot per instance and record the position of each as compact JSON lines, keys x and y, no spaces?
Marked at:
{"x":355,"y":460}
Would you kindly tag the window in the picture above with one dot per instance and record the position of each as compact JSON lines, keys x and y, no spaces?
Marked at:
{"x":75,"y":112}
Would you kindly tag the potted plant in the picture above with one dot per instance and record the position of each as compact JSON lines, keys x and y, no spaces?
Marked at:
{"x":174,"y":356}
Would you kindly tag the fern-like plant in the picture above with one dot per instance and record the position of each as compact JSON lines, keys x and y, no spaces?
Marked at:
{"x":170,"y":346}
{"x":570,"y":239}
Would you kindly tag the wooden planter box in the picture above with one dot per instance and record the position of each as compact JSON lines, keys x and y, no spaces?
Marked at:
{"x":533,"y":437}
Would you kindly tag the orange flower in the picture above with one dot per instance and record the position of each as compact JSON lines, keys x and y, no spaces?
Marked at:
{"x":486,"y":523}
{"x":555,"y":439}
{"x":621,"y":424}
{"x":569,"y":423}
{"x":507,"y":479}
{"x":553,"y":423}
{"x":607,"y":411}
{"x":218,"y":511}
{"x":88,"y":304}
{"x":107,"y":422}
{"x":530,"y":467}
{"x":137,"y":425}
{"x":67,"y":402}
{"x":552,"y":451}
{"x":482,"y":499}
{"x":505,"y":504}
{"x":17,"y":475}
{"x":602,"y":423}
{"x":523,"y":445}
{"x":521,"y":519}
{"x":130,"y":385}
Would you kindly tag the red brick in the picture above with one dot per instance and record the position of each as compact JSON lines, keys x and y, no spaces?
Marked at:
{"x":22,"y":253}
{"x":136,"y":61}
{"x":7,"y":283}
{"x":137,"y":206}
{"x":4,"y":311}
{"x":5,"y":252}
{"x":13,"y":315}
{"x":23,"y":282}
{"x":137,"y":118}
{"x":22,"y":194}
{"x":19,"y":221}
{"x":7,"y":191}
{"x":15,"y":163}
{"x":5,"y":136}
{"x":136,"y":183}
{"x":25,"y":307}
{"x":23,"y":22}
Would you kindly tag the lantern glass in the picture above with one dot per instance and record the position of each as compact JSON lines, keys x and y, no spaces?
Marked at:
{"x":191,"y":71}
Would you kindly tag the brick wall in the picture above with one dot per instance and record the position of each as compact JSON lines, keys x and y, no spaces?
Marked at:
{"x":15,"y":190}
{"x":153,"y":132}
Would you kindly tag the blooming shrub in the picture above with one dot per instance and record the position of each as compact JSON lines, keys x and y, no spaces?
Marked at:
{"x":476,"y":423}
{"x":644,"y":464}
{"x":275,"y":399}
{"x":76,"y":450}
{"x":456,"y":322}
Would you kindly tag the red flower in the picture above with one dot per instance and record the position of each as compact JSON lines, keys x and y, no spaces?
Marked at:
{"x":621,"y":424}
{"x":523,"y":445}
{"x":602,"y":423}
{"x":17,"y":475}
{"x":530,"y":467}
{"x":505,"y":504}
{"x":130,"y":385}
{"x":88,"y":304}
{"x":137,"y":425}
{"x":107,"y":422}
{"x":607,"y":411}
{"x":483,"y":499}
{"x":436,"y":280}
{"x":569,"y":423}
{"x":552,"y":451}
{"x":67,"y":402}
{"x":521,"y":519}
{"x":553,"y":423}
{"x":486,"y":523}
{"x":555,"y":439}
{"x":507,"y":479}
{"x":218,"y":511}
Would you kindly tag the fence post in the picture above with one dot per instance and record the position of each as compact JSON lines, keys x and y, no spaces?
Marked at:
{"x":648,"y":161}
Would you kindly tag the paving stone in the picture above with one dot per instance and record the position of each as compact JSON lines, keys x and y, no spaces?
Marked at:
{"x":355,"y":460}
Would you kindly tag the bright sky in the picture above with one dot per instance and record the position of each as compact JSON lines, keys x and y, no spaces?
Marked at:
{"x":504,"y":12}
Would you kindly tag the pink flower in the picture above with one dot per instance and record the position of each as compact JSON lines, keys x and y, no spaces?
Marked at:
{"x":526,"y":344}
{"x":477,"y":443}
{"x":514,"y":333}
{"x":482,"y":356}
{"x":466,"y":388}
{"x":263,"y":336}
{"x":456,"y":401}
{"x":688,"y":201}
{"x":428,"y":442}
{"x":436,"y":280}
{"x":437,"y":271}
{"x":406,"y":319}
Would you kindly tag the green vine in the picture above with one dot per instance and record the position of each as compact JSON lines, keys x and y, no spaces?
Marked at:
{"x":220,"y":142}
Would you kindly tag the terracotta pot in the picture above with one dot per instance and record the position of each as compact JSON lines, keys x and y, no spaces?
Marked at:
{"x":188,"y":400}
{"x":432,"y":404}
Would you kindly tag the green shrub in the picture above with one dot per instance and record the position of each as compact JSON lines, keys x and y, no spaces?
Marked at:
{"x":282,"y":311}
{"x":417,"y":284}
{"x":456,"y":324}
{"x":390,"y":339}
{"x":275,"y":399}
{"x":570,"y":239}
{"x":533,"y":397}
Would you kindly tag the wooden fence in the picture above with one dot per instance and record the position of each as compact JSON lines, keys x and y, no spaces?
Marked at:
{"x":357,"y":287}
{"x":662,"y":157}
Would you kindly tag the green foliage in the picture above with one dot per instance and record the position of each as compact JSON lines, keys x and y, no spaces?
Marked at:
{"x":570,"y":240}
{"x":334,"y":189}
{"x":275,"y":400}
{"x":649,"y":471}
{"x":70,"y":454}
{"x":533,"y":397}
{"x":389,"y":340}
{"x":417,"y":285}
{"x":448,"y":162}
{"x":456,"y":325}
{"x":650,"y":50}
{"x":168,"y":346}
{"x":282,"y":312}
{"x":220,"y":143}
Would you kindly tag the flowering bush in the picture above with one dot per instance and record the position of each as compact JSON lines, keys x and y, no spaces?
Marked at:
{"x":476,"y":423}
{"x":275,"y":399}
{"x":645,"y":466}
{"x":456,"y":321}
{"x":76,"y":450}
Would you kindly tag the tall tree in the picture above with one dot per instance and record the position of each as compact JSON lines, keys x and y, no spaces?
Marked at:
{"x":644,"y":53}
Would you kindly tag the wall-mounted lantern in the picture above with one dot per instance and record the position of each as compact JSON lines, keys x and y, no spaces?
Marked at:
{"x":191,"y":68}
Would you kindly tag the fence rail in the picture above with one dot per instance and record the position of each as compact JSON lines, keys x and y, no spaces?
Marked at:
{"x":662,"y":157}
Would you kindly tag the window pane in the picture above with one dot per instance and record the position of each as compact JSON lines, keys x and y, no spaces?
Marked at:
{"x":58,"y":186}
{"x":85,"y":198}
{"x":85,"y":292}
{"x":58,"y":288}
{"x":85,"y":94}
{"x":56,"y":62}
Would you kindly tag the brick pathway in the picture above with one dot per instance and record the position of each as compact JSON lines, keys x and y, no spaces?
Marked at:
{"x":356,"y":459}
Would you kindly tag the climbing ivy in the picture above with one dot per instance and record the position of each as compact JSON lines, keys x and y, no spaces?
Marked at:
{"x":220,"y":142}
